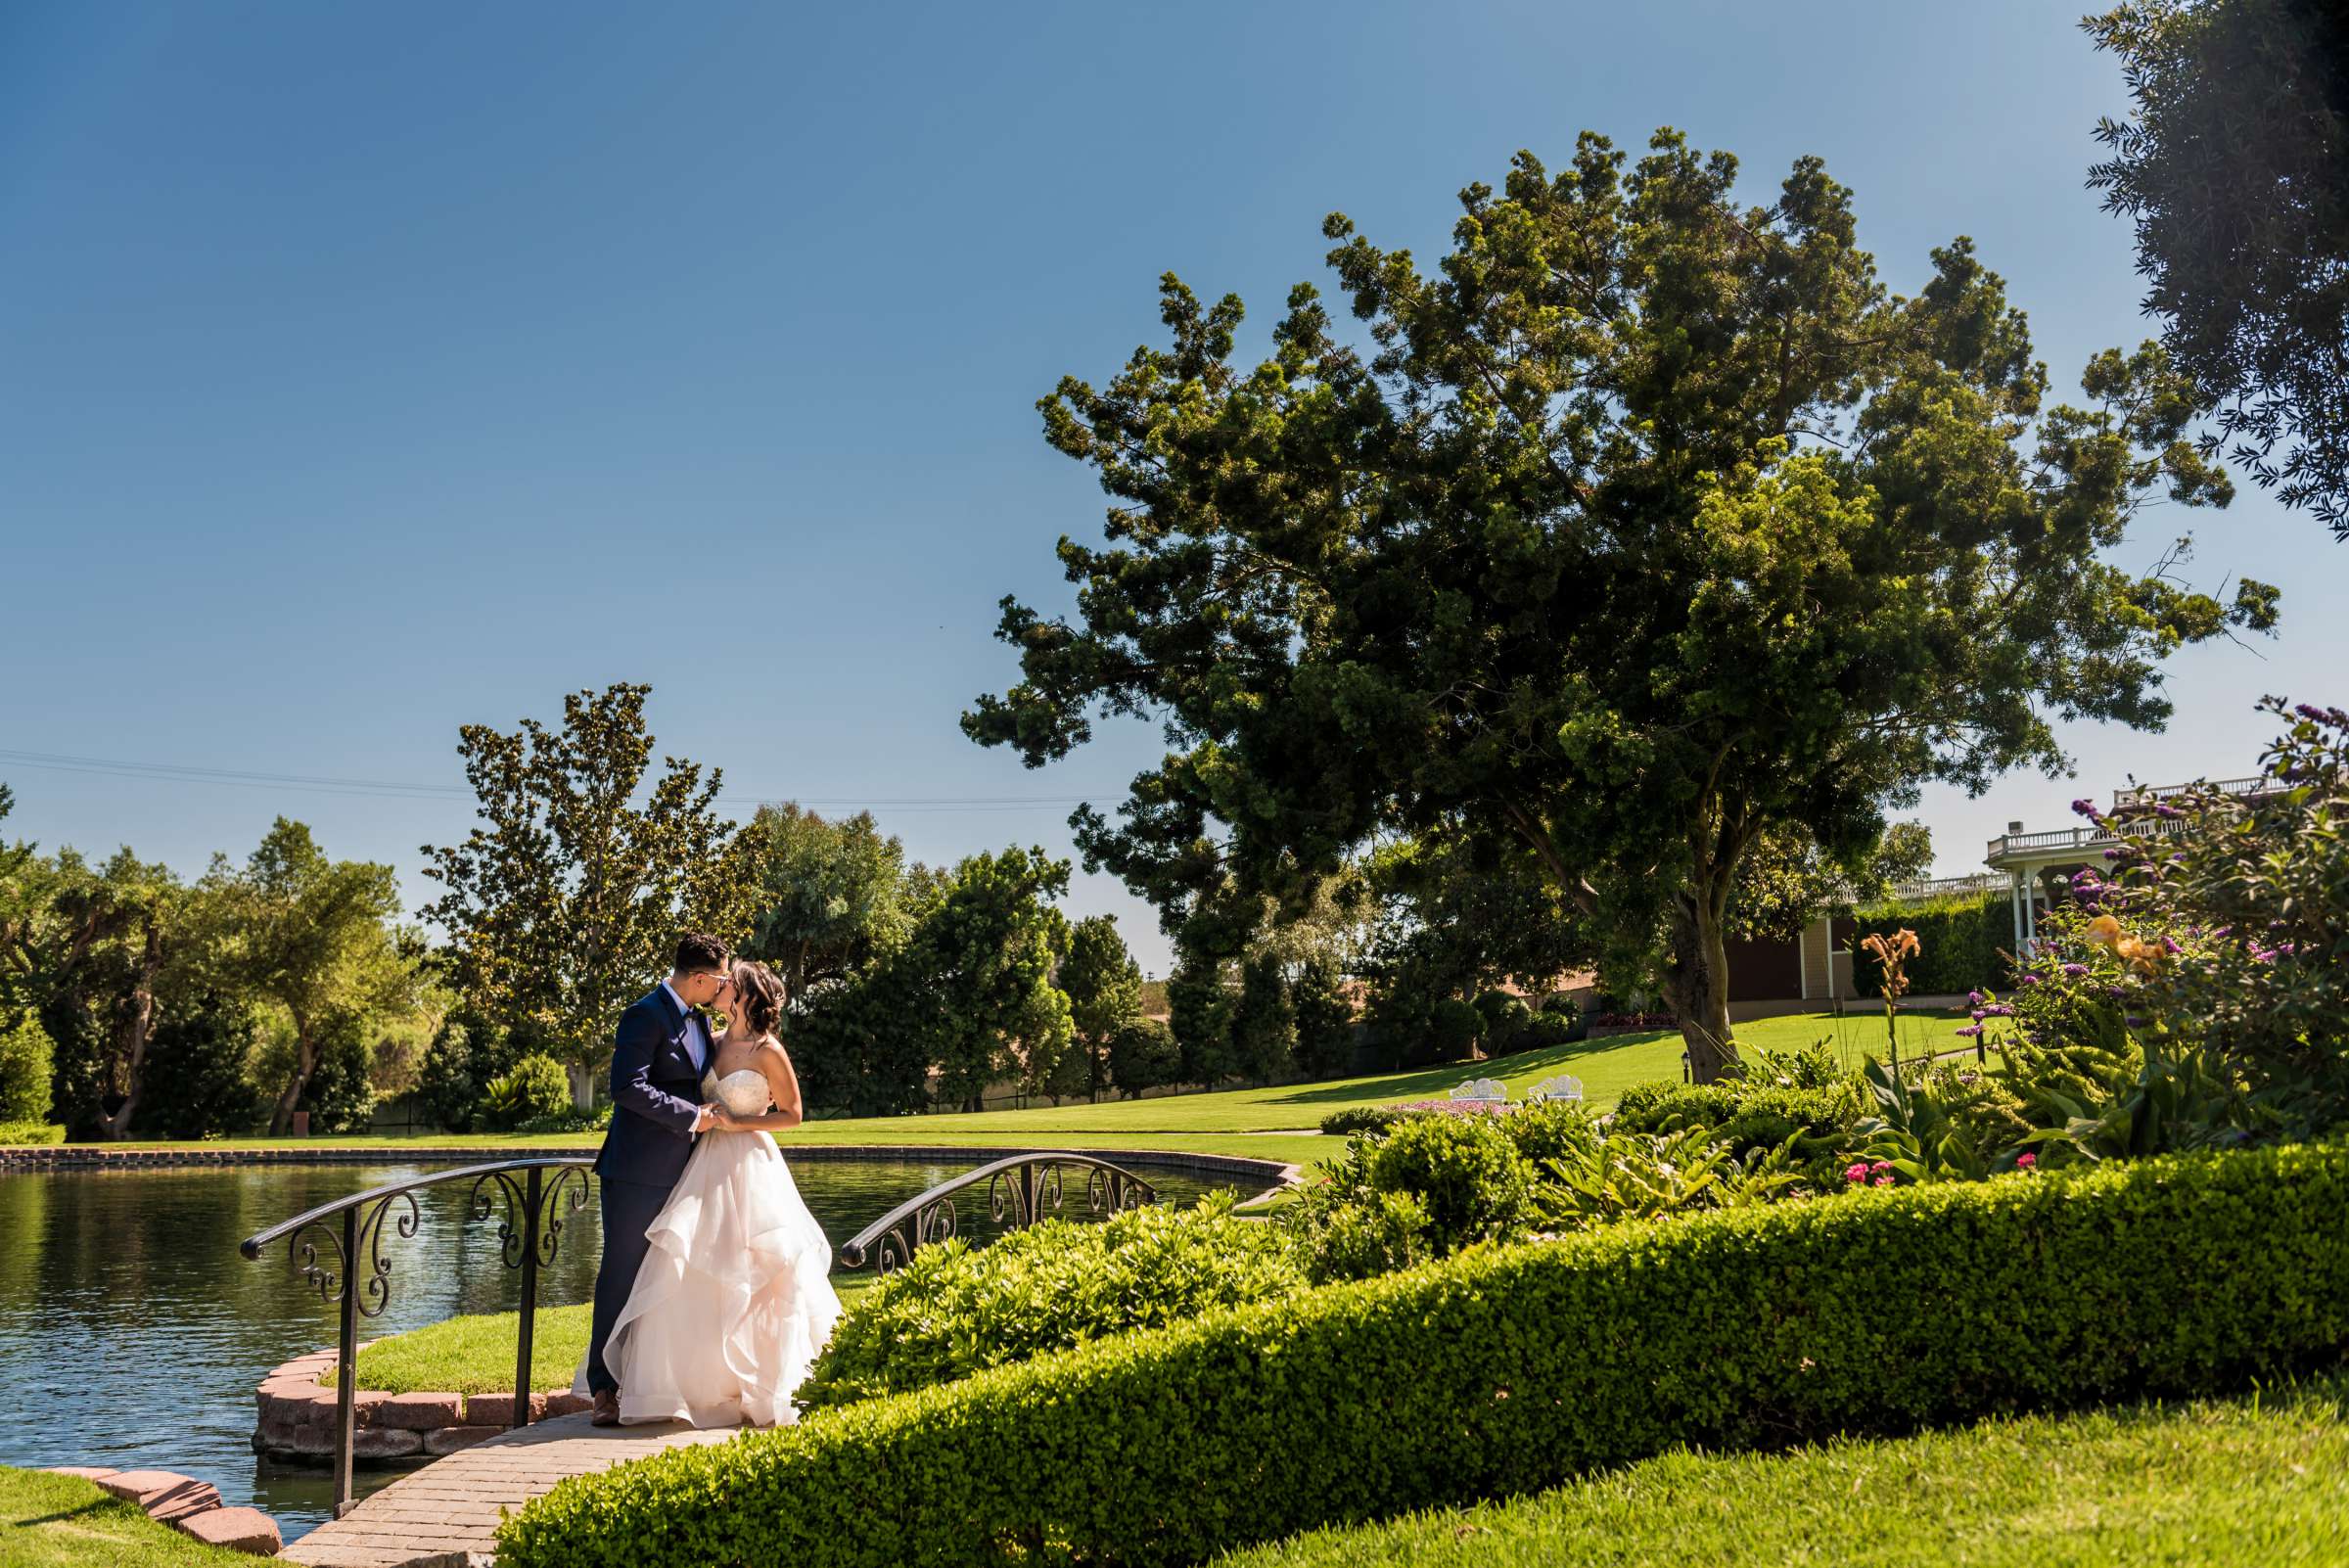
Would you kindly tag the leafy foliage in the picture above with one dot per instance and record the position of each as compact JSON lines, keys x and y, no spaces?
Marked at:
{"x":1506,"y":1370}
{"x":2235,"y":165}
{"x":1104,"y":988}
{"x":1963,"y":943}
{"x":1143,"y":1055}
{"x":566,"y":906}
{"x":1635,"y":468}
{"x":535,"y":1089}
{"x":833,"y":898}
{"x":196,"y":1076}
{"x":26,"y":1059}
{"x":312,"y":937}
{"x":953,"y":1310}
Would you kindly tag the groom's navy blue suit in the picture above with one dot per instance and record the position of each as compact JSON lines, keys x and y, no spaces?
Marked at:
{"x":656,"y":1099}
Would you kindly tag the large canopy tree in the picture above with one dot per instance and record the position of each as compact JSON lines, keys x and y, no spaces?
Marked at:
{"x":834,"y":896}
{"x":1650,"y":522}
{"x":2234,"y":166}
{"x":566,"y":906}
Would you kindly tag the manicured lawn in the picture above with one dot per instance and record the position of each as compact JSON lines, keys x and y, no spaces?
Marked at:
{"x":475,"y":1354}
{"x":60,"y":1521}
{"x":1234,"y":1121}
{"x":2251,"y":1481}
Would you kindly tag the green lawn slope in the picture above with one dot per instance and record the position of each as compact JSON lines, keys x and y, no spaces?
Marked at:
{"x":2261,"y":1480}
{"x":61,"y":1521}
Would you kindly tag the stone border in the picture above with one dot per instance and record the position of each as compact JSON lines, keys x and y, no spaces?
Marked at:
{"x":187,"y":1505}
{"x":297,"y":1414}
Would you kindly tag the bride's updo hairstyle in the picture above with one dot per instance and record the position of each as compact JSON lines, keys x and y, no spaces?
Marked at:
{"x":761,"y":995}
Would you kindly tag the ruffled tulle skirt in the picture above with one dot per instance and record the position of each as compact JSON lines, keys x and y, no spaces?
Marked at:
{"x":734,"y":1299}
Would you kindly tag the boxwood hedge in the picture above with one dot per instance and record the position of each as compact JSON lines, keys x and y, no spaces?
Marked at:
{"x":1506,"y":1370}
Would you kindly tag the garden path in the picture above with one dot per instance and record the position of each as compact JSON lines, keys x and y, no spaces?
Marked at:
{"x":448,"y":1511}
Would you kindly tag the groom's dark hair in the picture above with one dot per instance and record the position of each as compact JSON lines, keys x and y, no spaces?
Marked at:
{"x":699,"y":955}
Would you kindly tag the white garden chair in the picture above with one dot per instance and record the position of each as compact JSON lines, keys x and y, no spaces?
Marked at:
{"x":1564,"y":1087}
{"x":1482,"y":1089}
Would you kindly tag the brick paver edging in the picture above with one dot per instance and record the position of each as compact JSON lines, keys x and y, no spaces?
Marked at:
{"x":185,"y":1503}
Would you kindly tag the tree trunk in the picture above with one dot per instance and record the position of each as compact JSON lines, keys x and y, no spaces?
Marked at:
{"x":582,"y":1087}
{"x":138,"y":1022}
{"x":306,"y":1062}
{"x":1696,"y":982}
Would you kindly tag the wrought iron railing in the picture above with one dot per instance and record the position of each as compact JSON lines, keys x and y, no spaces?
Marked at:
{"x":1019,"y":1189}
{"x":528,"y":1197}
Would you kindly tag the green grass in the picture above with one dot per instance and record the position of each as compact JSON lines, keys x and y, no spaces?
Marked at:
{"x":61,"y":1521}
{"x":1266,"y":1123}
{"x":2252,"y":1481}
{"x":475,"y":1354}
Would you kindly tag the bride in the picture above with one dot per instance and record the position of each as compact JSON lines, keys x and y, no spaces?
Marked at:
{"x":733,"y":1300}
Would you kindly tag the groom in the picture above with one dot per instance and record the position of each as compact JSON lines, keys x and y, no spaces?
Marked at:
{"x":658,"y":1058}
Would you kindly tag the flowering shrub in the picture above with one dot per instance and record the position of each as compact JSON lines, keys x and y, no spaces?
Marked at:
{"x":2196,"y":989}
{"x":1636,"y":1020}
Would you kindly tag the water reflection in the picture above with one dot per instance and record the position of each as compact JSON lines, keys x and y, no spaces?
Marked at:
{"x":131,"y":1332}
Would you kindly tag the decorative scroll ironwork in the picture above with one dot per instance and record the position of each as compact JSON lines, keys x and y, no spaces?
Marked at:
{"x":530,"y":1199}
{"x":1020,"y":1189}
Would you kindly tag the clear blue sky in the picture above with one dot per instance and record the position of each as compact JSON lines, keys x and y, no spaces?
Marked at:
{"x":367,"y":370}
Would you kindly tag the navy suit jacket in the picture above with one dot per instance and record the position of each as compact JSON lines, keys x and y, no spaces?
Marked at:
{"x":656,"y":1095}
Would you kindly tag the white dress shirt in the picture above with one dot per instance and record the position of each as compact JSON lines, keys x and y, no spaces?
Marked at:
{"x":696,"y":1043}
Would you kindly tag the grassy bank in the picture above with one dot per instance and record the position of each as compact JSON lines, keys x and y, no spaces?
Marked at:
{"x":475,"y":1354}
{"x":2258,"y":1480}
{"x":1274,"y":1122}
{"x":61,"y":1521}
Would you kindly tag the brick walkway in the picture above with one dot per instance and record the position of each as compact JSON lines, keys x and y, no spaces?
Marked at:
{"x":451,"y":1506}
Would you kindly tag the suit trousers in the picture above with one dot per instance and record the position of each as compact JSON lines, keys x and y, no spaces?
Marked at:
{"x":630,"y":1210}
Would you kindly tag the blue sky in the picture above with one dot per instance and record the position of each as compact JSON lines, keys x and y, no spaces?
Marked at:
{"x":368,"y":370}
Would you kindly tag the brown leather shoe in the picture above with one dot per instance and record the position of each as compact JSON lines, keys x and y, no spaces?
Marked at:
{"x":607,"y":1408}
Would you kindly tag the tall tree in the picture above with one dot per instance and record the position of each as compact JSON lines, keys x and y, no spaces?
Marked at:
{"x":87,"y":946}
{"x":1651,"y":523}
{"x":312,"y":937}
{"x":987,"y":952}
{"x":2235,"y":165}
{"x":1104,"y":988}
{"x":833,"y":897}
{"x":566,"y":906}
{"x":1786,"y":881}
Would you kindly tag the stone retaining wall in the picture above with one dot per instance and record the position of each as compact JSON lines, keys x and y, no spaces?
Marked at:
{"x":298,"y":1416}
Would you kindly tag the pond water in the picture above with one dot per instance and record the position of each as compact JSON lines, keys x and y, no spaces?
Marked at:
{"x":132,"y":1333}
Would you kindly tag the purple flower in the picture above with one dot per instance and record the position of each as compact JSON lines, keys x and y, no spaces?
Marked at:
{"x":2084,"y":807}
{"x":2112,"y":854}
{"x":2167,"y":813}
{"x":2310,"y":711}
{"x":2027,"y":980}
{"x":1999,"y":1010}
{"x":2169,"y":944}
{"x":1973,"y":999}
{"x":2075,"y":970}
{"x":1971,"y":1031}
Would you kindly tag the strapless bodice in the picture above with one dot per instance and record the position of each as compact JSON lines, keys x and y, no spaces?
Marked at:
{"x":743,"y":1091}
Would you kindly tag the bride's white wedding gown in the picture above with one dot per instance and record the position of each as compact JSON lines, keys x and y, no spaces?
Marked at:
{"x":734,"y":1299}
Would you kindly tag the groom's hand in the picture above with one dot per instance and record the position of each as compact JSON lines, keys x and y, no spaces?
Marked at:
{"x":707,"y":1120}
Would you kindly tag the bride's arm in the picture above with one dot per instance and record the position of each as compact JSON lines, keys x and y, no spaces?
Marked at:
{"x":782,"y":1088}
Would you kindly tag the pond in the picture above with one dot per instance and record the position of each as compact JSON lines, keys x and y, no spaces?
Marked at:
{"x":132,"y":1334}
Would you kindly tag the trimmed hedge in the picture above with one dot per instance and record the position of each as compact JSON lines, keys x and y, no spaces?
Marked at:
{"x":21,"y":1133}
{"x":1959,"y":943}
{"x":1506,"y":1370}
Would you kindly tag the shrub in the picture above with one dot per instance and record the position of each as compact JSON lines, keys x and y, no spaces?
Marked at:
{"x":1363,"y":1119}
{"x":1960,"y":943}
{"x":1464,"y":1171}
{"x":1635,"y":1021}
{"x":536,"y":1088}
{"x":1454,"y":1028}
{"x":26,"y":1063}
{"x":196,"y":1081}
{"x":1745,"y":1113}
{"x":1536,"y":1032}
{"x":953,"y":1310}
{"x":1507,"y":1370}
{"x":1142,"y":1054}
{"x":568,"y":1119}
{"x":17,"y":1135}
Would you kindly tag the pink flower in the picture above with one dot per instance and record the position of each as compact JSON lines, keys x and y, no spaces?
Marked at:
{"x":2026,"y":1161}
{"x":1884,"y":1181}
{"x":1856,"y":1171}
{"x":1880,"y":1168}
